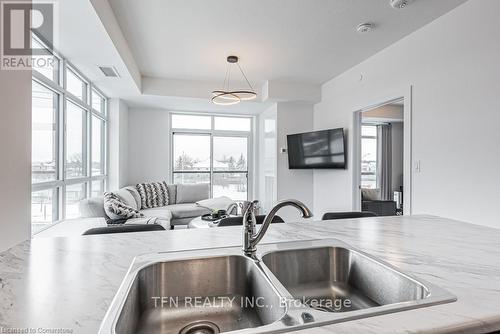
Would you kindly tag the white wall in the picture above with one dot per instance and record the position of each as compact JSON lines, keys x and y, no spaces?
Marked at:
{"x":15,"y":157}
{"x":293,"y":184}
{"x":149,"y":145}
{"x":118,"y":144}
{"x":453,"y":66}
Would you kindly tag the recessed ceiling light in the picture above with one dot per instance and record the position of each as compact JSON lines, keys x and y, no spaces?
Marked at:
{"x":364,"y":28}
{"x":399,"y":4}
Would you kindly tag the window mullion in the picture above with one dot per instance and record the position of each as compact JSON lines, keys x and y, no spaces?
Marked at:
{"x":61,"y":154}
{"x":102,"y":126}
{"x":88,"y":142}
{"x":212,"y":163}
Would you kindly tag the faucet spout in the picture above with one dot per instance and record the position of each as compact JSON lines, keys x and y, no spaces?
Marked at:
{"x":251,"y":239}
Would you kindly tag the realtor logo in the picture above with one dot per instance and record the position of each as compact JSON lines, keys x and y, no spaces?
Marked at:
{"x":19,"y":19}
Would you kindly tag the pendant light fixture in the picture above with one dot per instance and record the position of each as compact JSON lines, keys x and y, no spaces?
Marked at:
{"x":226,"y":96}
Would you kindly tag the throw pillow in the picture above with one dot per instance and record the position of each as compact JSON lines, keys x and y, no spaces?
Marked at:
{"x":116,"y":209}
{"x":192,"y":193}
{"x":153,"y":195}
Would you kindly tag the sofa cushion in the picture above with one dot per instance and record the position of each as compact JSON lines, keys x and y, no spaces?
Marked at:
{"x":126,"y":198}
{"x":92,"y":207}
{"x":186,"y":210}
{"x":172,"y":193}
{"x":191,"y":193}
{"x":161,"y":213}
{"x":133,"y":191}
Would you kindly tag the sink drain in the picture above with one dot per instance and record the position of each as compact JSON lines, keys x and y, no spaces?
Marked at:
{"x":319,"y":307}
{"x":201,"y":327}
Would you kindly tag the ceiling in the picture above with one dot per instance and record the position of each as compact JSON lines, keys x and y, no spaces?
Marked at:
{"x":171,"y":53}
{"x":307,"y":41}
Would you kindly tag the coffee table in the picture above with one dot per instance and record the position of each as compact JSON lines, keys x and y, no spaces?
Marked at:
{"x":200,"y":223}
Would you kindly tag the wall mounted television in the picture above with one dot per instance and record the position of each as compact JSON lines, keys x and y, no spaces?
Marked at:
{"x":319,"y":149}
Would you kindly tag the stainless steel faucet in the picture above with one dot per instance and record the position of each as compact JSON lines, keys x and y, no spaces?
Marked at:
{"x":250,"y":238}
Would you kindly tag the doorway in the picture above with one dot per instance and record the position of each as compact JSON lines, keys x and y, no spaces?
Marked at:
{"x":382,"y":159}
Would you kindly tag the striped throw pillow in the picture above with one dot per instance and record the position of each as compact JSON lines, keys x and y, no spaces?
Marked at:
{"x":153,"y":195}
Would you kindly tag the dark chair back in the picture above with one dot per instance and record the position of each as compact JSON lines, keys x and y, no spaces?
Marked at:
{"x":346,"y":215}
{"x":124,"y":229}
{"x":235,"y":221}
{"x":381,"y":208}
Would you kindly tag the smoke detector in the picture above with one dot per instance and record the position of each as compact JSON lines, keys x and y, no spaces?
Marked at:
{"x":364,"y":28}
{"x":400,"y":4}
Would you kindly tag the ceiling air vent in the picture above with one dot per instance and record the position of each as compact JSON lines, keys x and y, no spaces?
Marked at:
{"x":109,"y":71}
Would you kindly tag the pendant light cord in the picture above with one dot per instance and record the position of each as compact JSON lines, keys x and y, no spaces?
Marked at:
{"x":226,"y":78}
{"x":244,"y":76}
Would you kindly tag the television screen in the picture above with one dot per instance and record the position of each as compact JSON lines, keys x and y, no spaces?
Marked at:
{"x":319,"y":149}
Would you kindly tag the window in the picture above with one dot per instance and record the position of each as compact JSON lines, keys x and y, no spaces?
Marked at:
{"x":191,"y":158}
{"x":75,"y":149}
{"x":97,"y":145}
{"x":73,"y":195}
{"x":47,"y":64}
{"x":44,"y":134}
{"x":98,"y":102}
{"x":217,"y":155}
{"x":232,"y":124}
{"x":230,"y":167}
{"x":68,"y":142}
{"x":191,"y":122}
{"x":75,"y":85}
{"x":369,"y":156}
{"x":43,"y":208}
{"x":97,"y":188}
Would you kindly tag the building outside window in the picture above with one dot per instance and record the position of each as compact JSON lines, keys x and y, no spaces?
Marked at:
{"x":215,"y":150}
{"x":69,"y":124}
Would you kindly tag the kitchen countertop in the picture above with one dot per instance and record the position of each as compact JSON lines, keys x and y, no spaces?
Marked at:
{"x":64,"y":285}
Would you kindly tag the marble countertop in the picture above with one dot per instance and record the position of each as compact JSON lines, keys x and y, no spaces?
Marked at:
{"x":65,"y":285}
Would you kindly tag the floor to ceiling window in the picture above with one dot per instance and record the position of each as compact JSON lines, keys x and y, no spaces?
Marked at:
{"x":69,"y":122}
{"x":215,"y":150}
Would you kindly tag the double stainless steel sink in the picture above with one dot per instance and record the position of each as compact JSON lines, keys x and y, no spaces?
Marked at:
{"x":286,"y":286}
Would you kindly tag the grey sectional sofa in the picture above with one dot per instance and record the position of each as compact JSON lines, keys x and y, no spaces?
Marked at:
{"x":181,"y":211}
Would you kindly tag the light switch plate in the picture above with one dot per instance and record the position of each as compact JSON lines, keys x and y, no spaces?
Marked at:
{"x":416,"y":166}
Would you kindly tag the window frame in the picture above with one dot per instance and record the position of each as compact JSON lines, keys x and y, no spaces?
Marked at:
{"x":249,"y":135}
{"x":59,"y":185}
